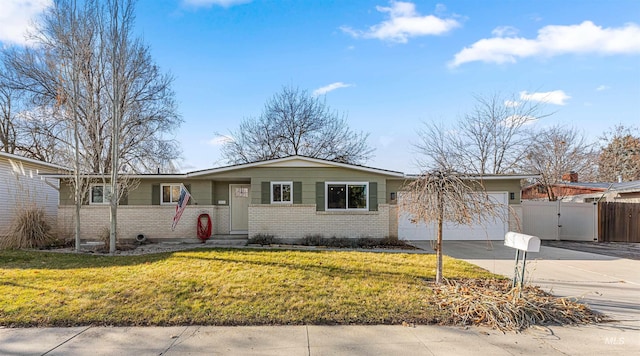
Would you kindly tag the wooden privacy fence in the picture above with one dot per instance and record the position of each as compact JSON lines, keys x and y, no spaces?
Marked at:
{"x":618,"y":222}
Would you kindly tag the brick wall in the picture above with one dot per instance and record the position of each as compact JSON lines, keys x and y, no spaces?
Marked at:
{"x":152,"y":221}
{"x":297,"y":221}
{"x":393,"y":220}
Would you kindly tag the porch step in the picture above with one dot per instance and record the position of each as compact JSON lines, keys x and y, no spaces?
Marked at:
{"x":228,"y":240}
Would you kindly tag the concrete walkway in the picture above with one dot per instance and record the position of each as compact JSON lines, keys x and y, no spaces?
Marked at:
{"x":608,"y":284}
{"x":317,"y":340}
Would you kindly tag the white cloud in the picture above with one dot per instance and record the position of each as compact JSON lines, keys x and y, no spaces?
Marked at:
{"x":207,"y":3}
{"x":327,"y":88}
{"x":16,"y":18}
{"x":511,"y":103}
{"x":504,"y":31}
{"x":603,"y":87}
{"x":557,"y":97}
{"x":552,"y":41}
{"x":404,"y":22}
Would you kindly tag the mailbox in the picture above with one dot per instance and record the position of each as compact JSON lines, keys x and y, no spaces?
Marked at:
{"x":522,"y":242}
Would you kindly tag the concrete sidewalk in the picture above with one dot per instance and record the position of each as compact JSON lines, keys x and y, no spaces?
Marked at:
{"x":317,"y":340}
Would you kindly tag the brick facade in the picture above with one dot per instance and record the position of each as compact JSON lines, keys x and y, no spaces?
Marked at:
{"x":152,"y":221}
{"x":297,"y":221}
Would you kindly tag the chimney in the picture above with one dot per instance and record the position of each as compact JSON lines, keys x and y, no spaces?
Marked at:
{"x":570,"y":177}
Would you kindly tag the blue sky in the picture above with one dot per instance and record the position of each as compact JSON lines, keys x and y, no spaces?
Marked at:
{"x":389,"y":66}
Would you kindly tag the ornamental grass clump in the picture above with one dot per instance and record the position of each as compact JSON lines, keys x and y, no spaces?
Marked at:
{"x":29,"y":229}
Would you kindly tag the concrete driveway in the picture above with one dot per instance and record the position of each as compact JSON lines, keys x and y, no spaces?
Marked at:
{"x":607,"y":284}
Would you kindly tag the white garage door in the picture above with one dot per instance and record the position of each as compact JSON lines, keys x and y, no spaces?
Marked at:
{"x":494,"y":229}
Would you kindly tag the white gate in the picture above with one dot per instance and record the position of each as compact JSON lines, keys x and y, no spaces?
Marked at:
{"x":480,"y":230}
{"x":558,"y":220}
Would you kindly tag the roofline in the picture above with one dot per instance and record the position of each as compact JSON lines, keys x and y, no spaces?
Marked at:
{"x":34,"y":161}
{"x":289,"y":158}
{"x":576,"y":185}
{"x":199,"y":173}
{"x":488,"y":176}
{"x":108,"y":176}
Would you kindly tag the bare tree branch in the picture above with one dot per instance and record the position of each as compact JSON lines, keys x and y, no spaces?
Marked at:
{"x":556,"y":151}
{"x":296,"y":123}
{"x":620,"y":155}
{"x":73,"y":48}
{"x":491,"y":139}
{"x":438,"y":196}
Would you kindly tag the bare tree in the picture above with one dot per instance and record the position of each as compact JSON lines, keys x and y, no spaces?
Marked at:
{"x":8,"y":116}
{"x":491,"y":139}
{"x":67,"y":34}
{"x":439,"y":196}
{"x":556,"y":151}
{"x":294,"y":122}
{"x":106,"y":105}
{"x":620,"y":155}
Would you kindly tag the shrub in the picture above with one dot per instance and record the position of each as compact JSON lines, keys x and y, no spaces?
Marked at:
{"x":314,"y":240}
{"x":29,"y":229}
{"x":104,"y":235}
{"x":342,"y":242}
{"x":262,"y":239}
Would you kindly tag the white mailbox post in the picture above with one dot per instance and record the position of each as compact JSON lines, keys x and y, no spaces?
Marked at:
{"x":524,"y":243}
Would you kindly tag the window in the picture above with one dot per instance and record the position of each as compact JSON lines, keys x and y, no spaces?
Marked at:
{"x":100,"y":194}
{"x":347,"y":196}
{"x":281,"y":192}
{"x":170,"y":193}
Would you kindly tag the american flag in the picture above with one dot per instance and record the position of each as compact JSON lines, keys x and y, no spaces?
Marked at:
{"x":182,"y":203}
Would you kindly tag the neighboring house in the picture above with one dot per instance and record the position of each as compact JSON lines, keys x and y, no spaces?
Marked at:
{"x":569,"y":186}
{"x":585,"y":192}
{"x":623,"y":192}
{"x":21,"y":187}
{"x":288,"y":197}
{"x":562,"y":190}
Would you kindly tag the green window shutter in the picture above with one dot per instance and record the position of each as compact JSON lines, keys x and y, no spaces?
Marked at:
{"x":265,"y":194}
{"x":297,"y":192}
{"x":124,"y":198}
{"x":155,"y":194}
{"x":319,"y":196}
{"x":373,"y":196}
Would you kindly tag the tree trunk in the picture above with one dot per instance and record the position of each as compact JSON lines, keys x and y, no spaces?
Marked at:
{"x":439,"y":240}
{"x":439,"y":253}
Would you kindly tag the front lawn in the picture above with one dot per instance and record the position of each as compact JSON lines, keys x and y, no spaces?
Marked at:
{"x":222,"y":287}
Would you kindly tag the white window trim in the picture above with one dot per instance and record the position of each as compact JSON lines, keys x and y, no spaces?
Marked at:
{"x":170,"y":202}
{"x":347,"y":184}
{"x":281,"y":202}
{"x":105,"y":199}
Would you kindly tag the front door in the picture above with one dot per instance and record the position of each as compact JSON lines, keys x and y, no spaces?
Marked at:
{"x":239,"y":200}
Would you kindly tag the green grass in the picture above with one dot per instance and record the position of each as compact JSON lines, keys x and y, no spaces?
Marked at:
{"x":221,"y":287}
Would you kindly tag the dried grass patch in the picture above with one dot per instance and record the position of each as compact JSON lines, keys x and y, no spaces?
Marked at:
{"x":496,"y":304}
